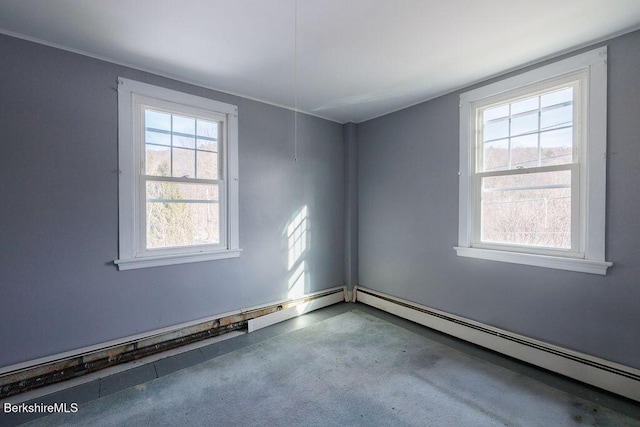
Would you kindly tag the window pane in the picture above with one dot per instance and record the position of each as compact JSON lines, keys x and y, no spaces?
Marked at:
{"x":159,"y":138}
{"x":529,"y":209}
{"x":207,"y":144}
{"x":556,"y":116}
{"x":529,"y":104}
{"x":207,"y":165}
{"x":208,"y":129}
{"x":495,"y":113}
{"x":181,"y":214}
{"x":186,"y":125}
{"x":496,"y":155}
{"x":157,"y":120}
{"x":496,"y":129}
{"x":184,"y":141}
{"x":184,"y":163}
{"x":524,"y":123}
{"x":157,"y":160}
{"x":558,"y":97}
{"x":556,"y":147}
{"x":524,"y":151}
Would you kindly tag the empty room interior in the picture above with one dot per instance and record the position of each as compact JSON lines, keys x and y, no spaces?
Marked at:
{"x":301,"y":212}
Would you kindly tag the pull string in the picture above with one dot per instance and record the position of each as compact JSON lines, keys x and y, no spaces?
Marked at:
{"x":295,"y":81}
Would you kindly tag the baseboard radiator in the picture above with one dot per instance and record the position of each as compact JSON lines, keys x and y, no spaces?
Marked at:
{"x":610,"y":376}
{"x":33,"y":374}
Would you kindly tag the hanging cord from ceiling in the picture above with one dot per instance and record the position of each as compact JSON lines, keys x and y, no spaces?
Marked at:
{"x":295,"y":81}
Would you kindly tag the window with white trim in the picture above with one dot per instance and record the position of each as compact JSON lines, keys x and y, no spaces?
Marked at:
{"x":178,"y":186}
{"x":533,"y":167}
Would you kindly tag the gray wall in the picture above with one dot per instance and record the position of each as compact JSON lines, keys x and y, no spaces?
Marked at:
{"x":351,"y":204}
{"x":408,"y":226}
{"x":59,"y":210}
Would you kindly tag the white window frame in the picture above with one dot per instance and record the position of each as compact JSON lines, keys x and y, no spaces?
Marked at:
{"x":588,"y":254}
{"x":133,"y":254}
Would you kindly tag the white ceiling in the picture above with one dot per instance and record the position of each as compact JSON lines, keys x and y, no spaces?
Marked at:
{"x":356,"y":59}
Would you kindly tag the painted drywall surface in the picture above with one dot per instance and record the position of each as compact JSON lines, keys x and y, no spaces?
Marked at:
{"x":59,"y":208}
{"x":351,"y":203}
{"x":408,"y":226}
{"x":281,"y":187}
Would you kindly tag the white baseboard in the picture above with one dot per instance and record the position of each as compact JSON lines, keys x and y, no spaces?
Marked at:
{"x":611,"y":376}
{"x":298,"y":310}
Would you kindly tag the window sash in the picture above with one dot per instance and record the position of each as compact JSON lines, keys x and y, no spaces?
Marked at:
{"x":143,"y":250}
{"x":575,"y":80}
{"x":157,"y":105}
{"x":575,"y":251}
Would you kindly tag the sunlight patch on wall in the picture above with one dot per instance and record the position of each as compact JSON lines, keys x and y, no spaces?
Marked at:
{"x":297,"y":243}
{"x":297,"y":237}
{"x":296,"y":282}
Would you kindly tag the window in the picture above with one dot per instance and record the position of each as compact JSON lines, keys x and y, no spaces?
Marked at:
{"x":533,"y":166}
{"x":178,"y":186}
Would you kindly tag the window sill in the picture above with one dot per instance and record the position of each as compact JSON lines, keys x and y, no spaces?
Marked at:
{"x":156,"y":261}
{"x":560,"y":263}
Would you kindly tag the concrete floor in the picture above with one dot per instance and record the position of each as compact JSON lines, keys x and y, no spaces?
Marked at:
{"x":256,"y":380}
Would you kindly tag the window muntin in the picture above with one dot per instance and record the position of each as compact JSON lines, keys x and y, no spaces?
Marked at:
{"x":178,"y":186}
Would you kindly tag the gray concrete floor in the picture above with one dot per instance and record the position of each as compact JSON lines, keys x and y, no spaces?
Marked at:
{"x":93,"y":390}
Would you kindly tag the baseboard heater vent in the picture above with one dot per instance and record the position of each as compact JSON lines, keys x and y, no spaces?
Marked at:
{"x":53,"y":369}
{"x":614,"y":377}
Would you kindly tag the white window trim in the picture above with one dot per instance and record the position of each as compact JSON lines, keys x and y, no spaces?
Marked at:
{"x":128,"y":163}
{"x":594,"y":167}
